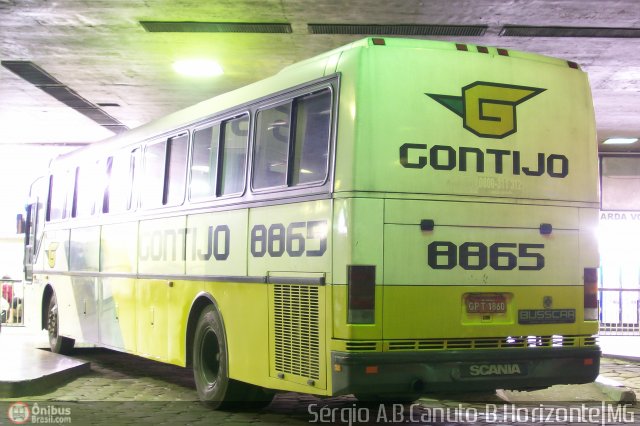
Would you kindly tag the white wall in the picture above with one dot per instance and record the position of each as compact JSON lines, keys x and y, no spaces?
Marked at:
{"x":19,"y":167}
{"x":11,"y":252}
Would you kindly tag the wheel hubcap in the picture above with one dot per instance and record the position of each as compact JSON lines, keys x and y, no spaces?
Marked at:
{"x":210,"y":356}
{"x":52,"y":325}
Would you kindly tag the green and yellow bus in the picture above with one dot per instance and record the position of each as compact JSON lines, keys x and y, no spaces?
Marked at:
{"x":390,"y":218}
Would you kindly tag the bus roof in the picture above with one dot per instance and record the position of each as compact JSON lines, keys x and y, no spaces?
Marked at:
{"x":290,"y":76}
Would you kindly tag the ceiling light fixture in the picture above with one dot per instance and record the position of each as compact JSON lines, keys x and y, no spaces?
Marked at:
{"x":620,"y":141}
{"x":198,"y":67}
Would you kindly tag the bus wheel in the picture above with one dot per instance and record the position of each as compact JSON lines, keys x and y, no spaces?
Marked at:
{"x":210,"y":365}
{"x":57,"y":343}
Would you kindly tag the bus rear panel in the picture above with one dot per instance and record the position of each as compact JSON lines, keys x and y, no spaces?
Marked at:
{"x":469,"y":201}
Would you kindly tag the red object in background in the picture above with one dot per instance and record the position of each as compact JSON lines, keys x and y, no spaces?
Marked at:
{"x":7,"y":292}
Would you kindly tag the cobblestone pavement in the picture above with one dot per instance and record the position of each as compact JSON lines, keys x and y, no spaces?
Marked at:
{"x":625,"y":372}
{"x":125,"y":390}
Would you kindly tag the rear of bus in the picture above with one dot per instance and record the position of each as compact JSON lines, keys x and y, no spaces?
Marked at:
{"x":465,"y":209}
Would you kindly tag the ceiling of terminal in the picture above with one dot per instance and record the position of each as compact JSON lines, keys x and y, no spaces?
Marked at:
{"x":112,"y":59}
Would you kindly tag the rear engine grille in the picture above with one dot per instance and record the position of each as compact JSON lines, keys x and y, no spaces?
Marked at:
{"x":297,"y":330}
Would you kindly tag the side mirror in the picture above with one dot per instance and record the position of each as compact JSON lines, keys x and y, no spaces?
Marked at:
{"x":20,"y":224}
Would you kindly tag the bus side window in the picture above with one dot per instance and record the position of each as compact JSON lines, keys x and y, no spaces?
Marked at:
{"x":204,"y":162}
{"x":311,"y":150}
{"x":84,"y":200}
{"x":117,"y":197}
{"x":231,"y":172}
{"x":152,"y":189}
{"x":271,"y":156}
{"x":176,"y":173}
{"x":136,"y":172}
{"x":289,"y":158}
{"x":60,"y":185}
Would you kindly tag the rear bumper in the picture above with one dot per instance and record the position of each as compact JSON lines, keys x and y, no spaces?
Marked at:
{"x":469,"y":370}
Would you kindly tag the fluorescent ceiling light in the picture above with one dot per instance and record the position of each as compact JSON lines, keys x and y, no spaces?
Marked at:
{"x":620,"y":141}
{"x":198,"y":67}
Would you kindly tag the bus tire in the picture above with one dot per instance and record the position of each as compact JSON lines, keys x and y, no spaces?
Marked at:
{"x":211,"y":366}
{"x":58,"y":344}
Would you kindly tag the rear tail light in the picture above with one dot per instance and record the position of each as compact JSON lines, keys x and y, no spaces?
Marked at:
{"x":590,"y":294}
{"x":362,"y":294}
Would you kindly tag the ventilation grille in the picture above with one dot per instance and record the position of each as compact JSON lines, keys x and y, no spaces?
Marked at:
{"x":529,"y":31}
{"x":44,"y":81}
{"x":403,"y":30}
{"x":489,"y":343}
{"x":360,"y":346}
{"x":297,"y":330}
{"x":590,"y":341}
{"x":214,"y":27}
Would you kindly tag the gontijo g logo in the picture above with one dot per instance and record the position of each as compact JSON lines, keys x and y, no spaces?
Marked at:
{"x":487,"y":109}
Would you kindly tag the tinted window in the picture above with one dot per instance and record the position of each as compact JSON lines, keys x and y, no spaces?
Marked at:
{"x":136,"y":174}
{"x":311,"y":151}
{"x":119,"y":183}
{"x":87,"y":188}
{"x":272,"y":147}
{"x":204,"y":162}
{"x":177,"y":149}
{"x":60,"y":185}
{"x":152,"y":188}
{"x":234,"y":155}
{"x":282,"y":161}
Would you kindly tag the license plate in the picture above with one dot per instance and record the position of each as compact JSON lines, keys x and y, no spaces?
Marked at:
{"x":486,"y":303}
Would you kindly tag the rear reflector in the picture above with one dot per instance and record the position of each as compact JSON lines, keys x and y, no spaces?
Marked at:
{"x":371,"y":369}
{"x":361,"y":280}
{"x":590,"y":294}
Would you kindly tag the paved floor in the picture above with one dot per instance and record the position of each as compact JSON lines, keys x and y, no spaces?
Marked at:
{"x":126,"y":390}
